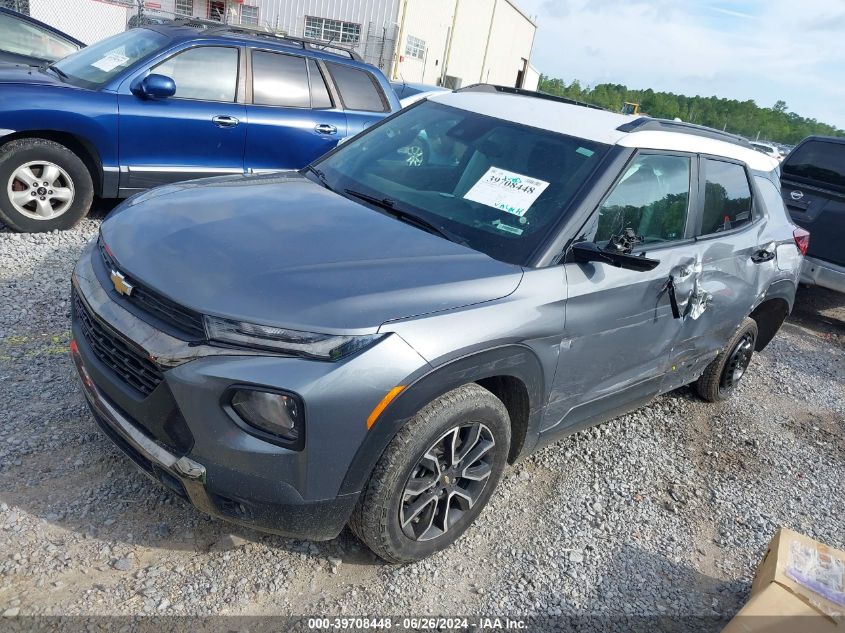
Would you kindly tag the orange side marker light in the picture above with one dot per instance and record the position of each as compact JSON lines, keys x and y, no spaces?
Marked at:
{"x":381,"y":406}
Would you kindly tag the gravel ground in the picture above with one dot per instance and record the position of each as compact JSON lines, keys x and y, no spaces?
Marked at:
{"x":662,"y":512}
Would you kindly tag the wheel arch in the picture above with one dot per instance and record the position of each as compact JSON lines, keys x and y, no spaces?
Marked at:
{"x":772,"y":310}
{"x":76,"y":143}
{"x":513,"y":373}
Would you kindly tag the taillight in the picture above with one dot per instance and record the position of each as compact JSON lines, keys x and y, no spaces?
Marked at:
{"x":802,"y":240}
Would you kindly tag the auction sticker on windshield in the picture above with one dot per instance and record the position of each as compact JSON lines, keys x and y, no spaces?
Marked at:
{"x":111,"y":61}
{"x":507,"y":191}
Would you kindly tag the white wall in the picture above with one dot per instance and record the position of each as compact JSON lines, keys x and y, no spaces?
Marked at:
{"x":472,"y":28}
{"x":491,"y":41}
{"x":86,"y":20}
{"x":430,"y":21}
{"x":511,"y":40}
{"x":532,"y":79}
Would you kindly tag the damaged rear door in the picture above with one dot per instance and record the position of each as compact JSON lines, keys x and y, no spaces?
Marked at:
{"x":733,"y":254}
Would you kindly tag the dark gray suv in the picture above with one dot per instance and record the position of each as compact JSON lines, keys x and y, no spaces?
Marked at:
{"x":367,"y":343}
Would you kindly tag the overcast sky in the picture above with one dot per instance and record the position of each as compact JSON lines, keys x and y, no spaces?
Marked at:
{"x":763,"y":50}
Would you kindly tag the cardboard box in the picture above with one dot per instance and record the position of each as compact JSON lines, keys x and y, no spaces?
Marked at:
{"x":799,"y":587}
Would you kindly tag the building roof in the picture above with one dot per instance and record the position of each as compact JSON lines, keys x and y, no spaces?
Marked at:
{"x":603,"y":126}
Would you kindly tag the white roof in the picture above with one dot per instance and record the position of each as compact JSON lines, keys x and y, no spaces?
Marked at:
{"x":596,"y":125}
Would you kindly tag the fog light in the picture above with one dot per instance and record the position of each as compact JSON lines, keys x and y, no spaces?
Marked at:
{"x":278,"y":414}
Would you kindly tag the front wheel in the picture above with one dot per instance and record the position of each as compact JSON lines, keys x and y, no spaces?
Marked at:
{"x":43,"y":186}
{"x":722,"y":376}
{"x":435,"y":476}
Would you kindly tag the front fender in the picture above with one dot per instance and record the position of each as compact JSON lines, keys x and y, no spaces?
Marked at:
{"x":517,"y":361}
{"x":88,"y":115}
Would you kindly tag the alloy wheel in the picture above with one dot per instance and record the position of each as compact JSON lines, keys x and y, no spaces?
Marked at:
{"x":446,"y":482}
{"x":738,"y":362}
{"x":40,"y":190}
{"x":416,"y":156}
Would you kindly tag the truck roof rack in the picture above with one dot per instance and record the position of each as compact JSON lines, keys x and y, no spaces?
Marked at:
{"x":212,"y":26}
{"x":526,"y":93}
{"x":644,"y":124}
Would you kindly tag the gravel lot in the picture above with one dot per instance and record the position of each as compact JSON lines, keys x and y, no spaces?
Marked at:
{"x":664,"y":512}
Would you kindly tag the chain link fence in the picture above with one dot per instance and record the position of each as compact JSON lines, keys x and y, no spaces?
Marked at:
{"x":93,"y":20}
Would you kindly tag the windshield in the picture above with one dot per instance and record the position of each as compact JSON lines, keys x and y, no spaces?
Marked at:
{"x":96,"y":65}
{"x":497,"y":186}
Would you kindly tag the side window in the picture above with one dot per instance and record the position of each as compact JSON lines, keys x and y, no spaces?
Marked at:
{"x":652,"y":199}
{"x":22,"y":38}
{"x":727,"y":197}
{"x":358,"y":89}
{"x":279,"y":80}
{"x":207,"y":73}
{"x":319,"y":92}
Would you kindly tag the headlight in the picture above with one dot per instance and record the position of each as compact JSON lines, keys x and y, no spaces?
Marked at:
{"x":277,"y":414}
{"x":322,"y":346}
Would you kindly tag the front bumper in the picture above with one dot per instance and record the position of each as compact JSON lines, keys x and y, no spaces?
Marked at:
{"x":188,"y":478}
{"x":818,"y":272}
{"x":181,"y":435}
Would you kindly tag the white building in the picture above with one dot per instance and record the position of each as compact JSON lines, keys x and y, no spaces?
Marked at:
{"x":449,"y":42}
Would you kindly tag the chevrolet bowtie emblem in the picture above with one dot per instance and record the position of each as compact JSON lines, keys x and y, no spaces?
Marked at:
{"x":122,"y":286}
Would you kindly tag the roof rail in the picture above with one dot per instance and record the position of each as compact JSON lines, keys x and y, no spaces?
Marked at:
{"x":212,"y":26}
{"x":526,"y":93}
{"x":644,"y":124}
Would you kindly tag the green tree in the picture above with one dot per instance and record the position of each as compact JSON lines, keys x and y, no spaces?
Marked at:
{"x":739,"y":117}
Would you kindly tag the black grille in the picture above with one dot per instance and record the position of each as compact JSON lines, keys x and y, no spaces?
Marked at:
{"x":183,"y":319}
{"x":115,"y":353}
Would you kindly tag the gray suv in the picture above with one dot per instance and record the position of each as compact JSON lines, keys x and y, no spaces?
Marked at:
{"x":370,"y":344}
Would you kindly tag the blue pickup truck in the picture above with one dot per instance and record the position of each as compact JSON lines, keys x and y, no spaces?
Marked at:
{"x":166,"y":103}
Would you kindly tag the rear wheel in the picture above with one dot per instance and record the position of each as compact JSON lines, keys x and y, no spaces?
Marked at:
{"x":435,"y":477}
{"x":722,"y":376}
{"x":43,"y":186}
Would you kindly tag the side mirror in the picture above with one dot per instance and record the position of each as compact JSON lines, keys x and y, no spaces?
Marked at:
{"x":154,"y":87}
{"x":584,"y":252}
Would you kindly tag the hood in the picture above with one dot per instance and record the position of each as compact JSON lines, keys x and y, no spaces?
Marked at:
{"x":23,"y":74}
{"x":281,"y":250}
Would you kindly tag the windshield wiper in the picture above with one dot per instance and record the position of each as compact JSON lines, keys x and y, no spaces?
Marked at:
{"x":389,"y":205}
{"x":62,"y":74}
{"x":321,"y":176}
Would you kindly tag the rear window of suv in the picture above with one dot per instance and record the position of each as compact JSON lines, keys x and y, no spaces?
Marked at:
{"x":358,"y":89}
{"x":818,"y":161}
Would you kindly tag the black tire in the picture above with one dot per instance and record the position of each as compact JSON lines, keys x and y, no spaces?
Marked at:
{"x":16,"y":154}
{"x":376,"y":518}
{"x":721,"y":377}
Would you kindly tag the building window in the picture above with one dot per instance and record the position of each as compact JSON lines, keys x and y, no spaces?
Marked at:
{"x":332,"y":30}
{"x":249,"y":15}
{"x":415,"y":47}
{"x":185,"y":7}
{"x":216,"y":10}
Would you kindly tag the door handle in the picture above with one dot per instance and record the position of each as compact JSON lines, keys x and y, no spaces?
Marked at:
{"x":225,"y":120}
{"x":763,"y":255}
{"x":325,"y":128}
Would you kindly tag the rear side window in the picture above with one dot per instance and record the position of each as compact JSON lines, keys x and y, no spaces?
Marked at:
{"x":206,"y":73}
{"x":727,"y":197}
{"x":319,"y":93}
{"x":818,"y":161}
{"x":279,"y":80}
{"x":358,"y":89}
